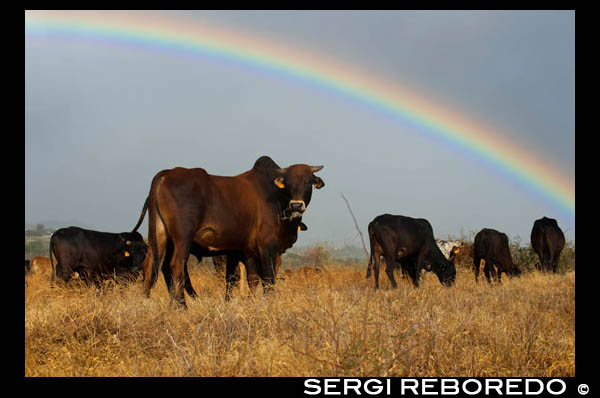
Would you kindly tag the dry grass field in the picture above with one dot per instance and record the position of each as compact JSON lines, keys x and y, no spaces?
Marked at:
{"x":333,"y":324}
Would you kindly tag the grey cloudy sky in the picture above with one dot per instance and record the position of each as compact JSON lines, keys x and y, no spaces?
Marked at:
{"x":101,"y":120}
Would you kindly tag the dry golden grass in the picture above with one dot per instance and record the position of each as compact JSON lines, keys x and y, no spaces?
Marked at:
{"x":331,"y":325}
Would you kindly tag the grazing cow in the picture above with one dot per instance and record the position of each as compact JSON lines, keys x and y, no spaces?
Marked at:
{"x":408,"y":241}
{"x":95,"y":255}
{"x":492,"y":246}
{"x":451,"y":254}
{"x":547,"y":241}
{"x":41,"y":265}
{"x":253,"y":217}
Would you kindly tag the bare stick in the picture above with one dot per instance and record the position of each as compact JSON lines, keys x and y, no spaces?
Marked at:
{"x":356,"y":224}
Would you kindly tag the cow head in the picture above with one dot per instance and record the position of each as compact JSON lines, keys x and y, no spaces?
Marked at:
{"x":445,"y":271}
{"x":513,"y":270}
{"x":453,"y":252}
{"x":297,"y":182}
{"x":132,"y":252}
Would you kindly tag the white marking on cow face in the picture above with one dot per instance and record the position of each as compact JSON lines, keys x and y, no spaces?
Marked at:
{"x":446,"y":246}
{"x":297,"y":205}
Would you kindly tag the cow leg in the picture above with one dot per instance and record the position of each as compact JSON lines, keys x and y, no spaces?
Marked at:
{"x":499,"y":278}
{"x":277,"y":265}
{"x":188,"y":283}
{"x":268,"y":259}
{"x":486,"y":271}
{"x":411,"y":270}
{"x":476,"y":265}
{"x":416,"y":270}
{"x":166,"y":267}
{"x":552,"y":262}
{"x":555,"y":264}
{"x":389,"y":270}
{"x":251,"y":274}
{"x":546,"y":259}
{"x":377,"y":258}
{"x":231,"y":276}
{"x":493,"y":265}
{"x":178,"y":263}
{"x":403,"y":268}
{"x":169,"y":279}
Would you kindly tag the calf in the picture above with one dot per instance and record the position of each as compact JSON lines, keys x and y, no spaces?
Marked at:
{"x":95,"y":255}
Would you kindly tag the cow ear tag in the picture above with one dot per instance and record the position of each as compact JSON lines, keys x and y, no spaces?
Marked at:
{"x":126,"y":253}
{"x":279,"y":182}
{"x":299,"y":228}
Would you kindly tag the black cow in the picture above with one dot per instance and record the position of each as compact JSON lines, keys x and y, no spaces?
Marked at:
{"x":410,"y":242}
{"x":492,"y":246}
{"x":547,"y":241}
{"x":95,"y":255}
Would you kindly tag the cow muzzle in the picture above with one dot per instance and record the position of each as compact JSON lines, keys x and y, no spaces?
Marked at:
{"x":297,"y":207}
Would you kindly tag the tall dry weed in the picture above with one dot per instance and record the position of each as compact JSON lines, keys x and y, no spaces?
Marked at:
{"x":329,"y":324}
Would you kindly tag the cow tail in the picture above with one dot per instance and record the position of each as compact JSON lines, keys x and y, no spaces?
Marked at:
{"x":144,"y":209}
{"x":546,"y":252}
{"x":370,"y":266}
{"x":152,"y":230}
{"x":371,"y":256}
{"x":53,"y":275}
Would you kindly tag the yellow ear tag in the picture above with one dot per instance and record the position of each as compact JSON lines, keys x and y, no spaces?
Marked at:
{"x":126,"y":253}
{"x":299,"y":228}
{"x":279,"y":184}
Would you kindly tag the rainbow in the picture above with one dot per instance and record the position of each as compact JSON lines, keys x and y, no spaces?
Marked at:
{"x":148,"y":30}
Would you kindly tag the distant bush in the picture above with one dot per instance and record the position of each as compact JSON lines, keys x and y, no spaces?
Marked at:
{"x":36,"y":248}
{"x":317,"y":256}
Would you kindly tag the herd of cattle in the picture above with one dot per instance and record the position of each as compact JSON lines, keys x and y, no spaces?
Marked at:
{"x":253,"y":218}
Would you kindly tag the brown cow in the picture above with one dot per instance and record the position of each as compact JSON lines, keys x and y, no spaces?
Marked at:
{"x":252,"y":217}
{"x":41,"y":265}
{"x":287,"y":239}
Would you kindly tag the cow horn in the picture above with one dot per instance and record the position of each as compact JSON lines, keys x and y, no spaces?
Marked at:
{"x":282,"y":171}
{"x":314,"y":169}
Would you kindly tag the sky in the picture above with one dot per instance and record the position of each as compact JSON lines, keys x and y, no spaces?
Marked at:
{"x":102,"y":118}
